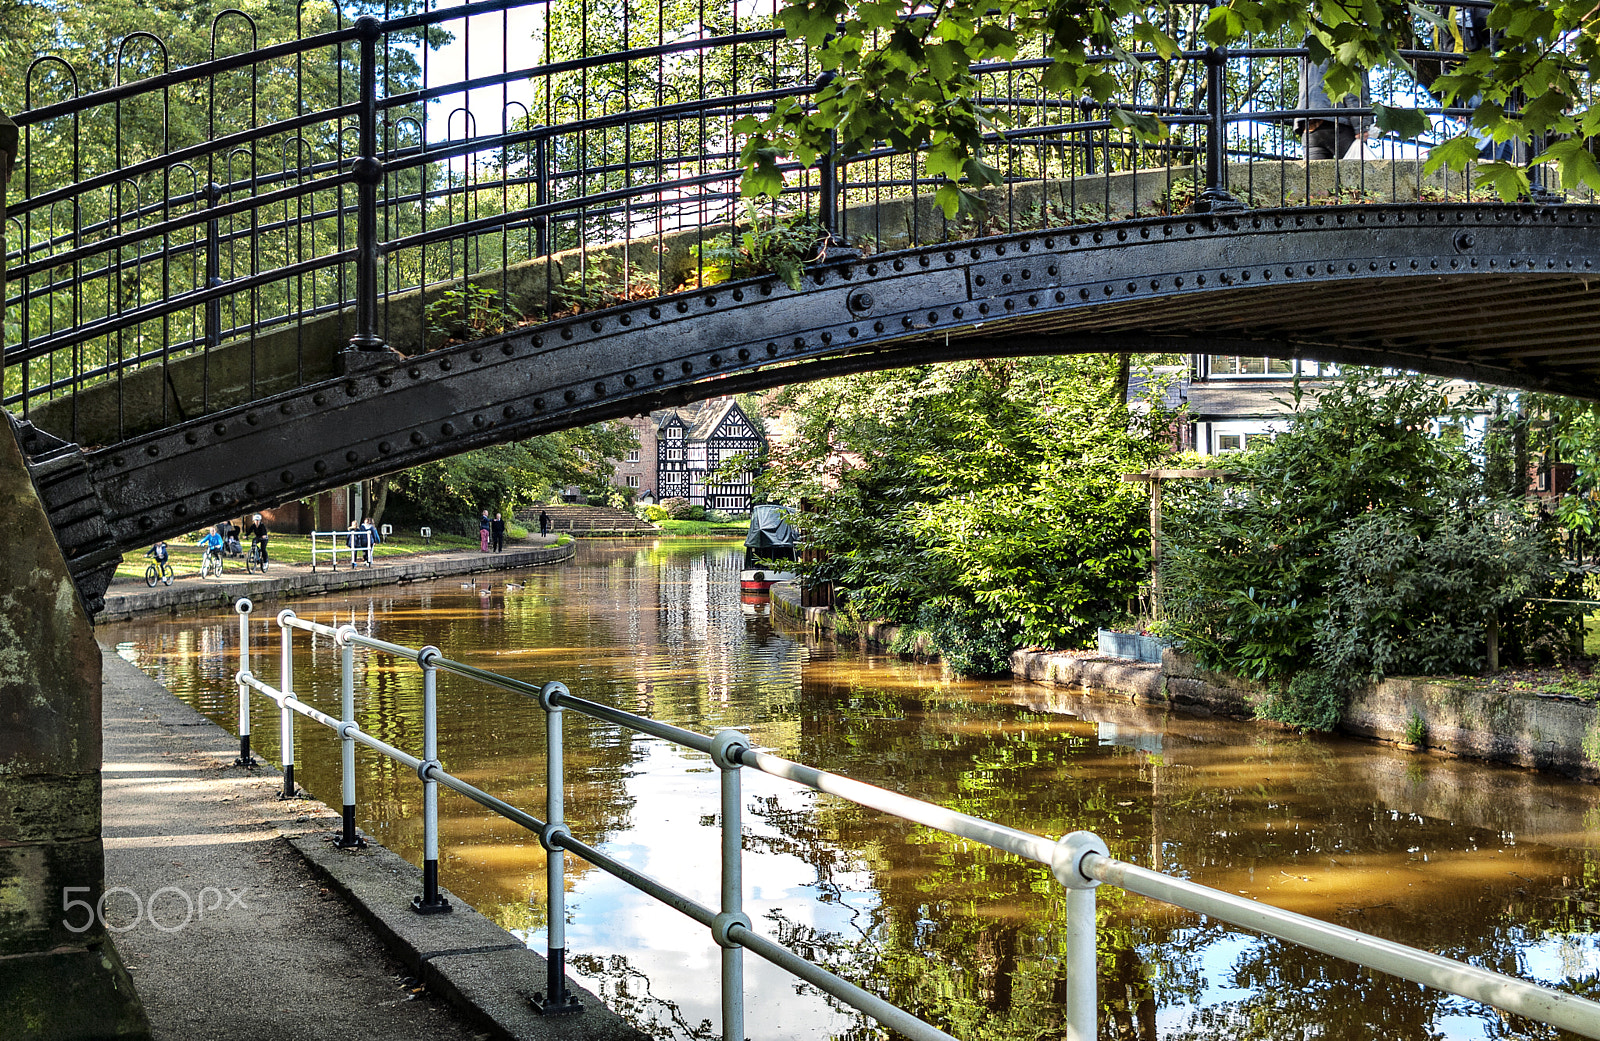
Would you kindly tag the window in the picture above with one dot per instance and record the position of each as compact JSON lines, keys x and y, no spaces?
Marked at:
{"x":674,"y":433}
{"x":583,"y":454}
{"x":633,"y":480}
{"x":633,"y":456}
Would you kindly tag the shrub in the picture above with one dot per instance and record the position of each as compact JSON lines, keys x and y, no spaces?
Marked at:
{"x":1313,"y":700}
{"x":467,"y":312}
{"x":651,"y":512}
{"x":677,"y":507}
{"x":969,"y":641}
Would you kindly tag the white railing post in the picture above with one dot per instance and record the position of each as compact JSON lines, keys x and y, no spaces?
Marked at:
{"x":286,"y":688}
{"x":430,"y":902}
{"x":348,"y":839}
{"x":1083,"y":996}
{"x":556,"y":999}
{"x":726,"y":748}
{"x":244,"y":606}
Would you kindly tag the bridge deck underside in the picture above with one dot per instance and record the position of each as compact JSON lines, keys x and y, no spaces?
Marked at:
{"x":1500,"y":294}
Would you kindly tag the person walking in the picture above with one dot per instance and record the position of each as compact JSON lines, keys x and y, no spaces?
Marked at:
{"x":483,"y":532}
{"x":544,"y":524}
{"x":1329,"y":136}
{"x":497,"y":531}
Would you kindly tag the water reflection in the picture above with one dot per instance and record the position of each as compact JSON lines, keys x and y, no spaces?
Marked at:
{"x":1491,"y":865}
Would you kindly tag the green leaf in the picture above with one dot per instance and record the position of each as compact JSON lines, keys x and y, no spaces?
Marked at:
{"x":1407,"y":123}
{"x":1455,"y":154}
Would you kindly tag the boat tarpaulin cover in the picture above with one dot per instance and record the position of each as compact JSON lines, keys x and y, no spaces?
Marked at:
{"x":769,"y":529}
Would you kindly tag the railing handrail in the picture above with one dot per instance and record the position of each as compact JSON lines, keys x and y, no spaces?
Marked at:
{"x":1080,"y":861}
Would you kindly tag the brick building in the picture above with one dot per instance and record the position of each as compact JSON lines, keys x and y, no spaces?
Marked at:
{"x":681,"y":449}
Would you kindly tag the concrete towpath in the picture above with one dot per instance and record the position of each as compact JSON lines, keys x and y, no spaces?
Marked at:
{"x":128,"y":597}
{"x":237,"y":918}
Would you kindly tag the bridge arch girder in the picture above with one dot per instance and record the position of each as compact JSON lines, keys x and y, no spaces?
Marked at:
{"x":1494,"y":293}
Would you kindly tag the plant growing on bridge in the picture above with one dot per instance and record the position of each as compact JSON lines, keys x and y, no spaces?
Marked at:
{"x":467,"y":312}
{"x":781,"y":246}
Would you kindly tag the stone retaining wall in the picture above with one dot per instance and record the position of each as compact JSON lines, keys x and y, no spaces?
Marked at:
{"x":211,"y":596}
{"x":1523,"y":729}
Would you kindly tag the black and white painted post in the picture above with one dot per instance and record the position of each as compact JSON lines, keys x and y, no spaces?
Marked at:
{"x":285,"y":713}
{"x":430,"y":902}
{"x":348,"y":839}
{"x":243,"y":606}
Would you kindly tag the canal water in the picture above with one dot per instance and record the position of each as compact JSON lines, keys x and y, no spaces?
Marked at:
{"x":1491,"y":865}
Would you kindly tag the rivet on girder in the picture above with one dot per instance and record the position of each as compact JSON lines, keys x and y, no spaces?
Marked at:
{"x":287,"y":477}
{"x":180,"y":510}
{"x":538,"y":404}
{"x":566,"y":334}
{"x":152,"y":450}
{"x":980,"y":280}
{"x":478,"y":355}
{"x":949,"y":258}
{"x":1122,"y":234}
{"x":285,"y":408}
{"x":252,"y":418}
{"x":999,"y":251}
{"x":955,"y":312}
{"x":1026,"y":245}
{"x":384,"y":447}
{"x":1053,"y":270}
{"x":683,"y":306}
{"x":933,"y":316}
{"x":216,"y":498}
{"x":716,"y":360}
{"x":975,"y":253}
{"x":658,"y":374}
{"x":599,"y":390}
{"x":744,"y":354}
{"x":478,"y":420}
{"x":983,"y":308}
{"x":630,"y":379}
{"x":1099,"y":236}
{"x":772,"y":350}
{"x":190,"y":437}
{"x":853,"y":331}
{"x":446,"y":429}
{"x":877,"y":327}
{"x":351,"y":456}
{"x":416,"y":437}
{"x":508,"y":350}
{"x":414,"y":372}
{"x":655,"y":312}
{"x":146,"y":523}
{"x":906,"y":321}
{"x":569,"y":396}
{"x":538,"y":341}
{"x":594,"y":327}
{"x":1061,"y":297}
{"x":1199,"y":280}
{"x":252,"y":488}
{"x":320,"y":467}
{"x":351,"y":390}
{"x":222,"y":428}
{"x":1178,"y":281}
{"x":687,"y":368}
{"x":827,"y":337}
{"x":924,"y":260}
{"x":1033,"y":300}
{"x":626,"y":319}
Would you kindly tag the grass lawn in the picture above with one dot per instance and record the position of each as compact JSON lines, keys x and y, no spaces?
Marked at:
{"x":700,"y":527}
{"x":290,"y":549}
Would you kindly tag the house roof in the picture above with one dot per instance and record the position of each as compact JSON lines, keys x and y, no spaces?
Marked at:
{"x":1239,"y":399}
{"x":706,"y":423}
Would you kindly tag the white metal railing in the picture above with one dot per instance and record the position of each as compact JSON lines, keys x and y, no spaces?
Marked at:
{"x":356,"y":543}
{"x":1080,"y":861}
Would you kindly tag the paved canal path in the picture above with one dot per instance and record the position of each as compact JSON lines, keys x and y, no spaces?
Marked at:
{"x":1494,"y":865}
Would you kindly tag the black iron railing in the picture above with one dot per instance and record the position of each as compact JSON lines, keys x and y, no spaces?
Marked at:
{"x":183,"y":239}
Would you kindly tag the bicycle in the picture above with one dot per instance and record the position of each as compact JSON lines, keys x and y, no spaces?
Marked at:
{"x":160,"y":570}
{"x":211,"y":563}
{"x":256,"y":559}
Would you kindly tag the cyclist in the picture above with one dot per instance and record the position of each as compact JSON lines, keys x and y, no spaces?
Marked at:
{"x":160,"y":570}
{"x":257,"y":530}
{"x":211,"y":560}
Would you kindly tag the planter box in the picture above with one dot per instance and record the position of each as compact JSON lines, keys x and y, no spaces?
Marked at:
{"x":1132,"y":645}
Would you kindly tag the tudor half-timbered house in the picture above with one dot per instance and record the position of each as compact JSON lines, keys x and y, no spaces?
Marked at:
{"x":681,"y":451}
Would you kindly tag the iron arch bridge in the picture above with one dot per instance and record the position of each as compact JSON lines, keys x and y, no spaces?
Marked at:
{"x":223,"y":295}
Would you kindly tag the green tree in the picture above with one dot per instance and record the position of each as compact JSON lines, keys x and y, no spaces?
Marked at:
{"x":1360,"y":541}
{"x":512,"y":475}
{"x":916,"y":81}
{"x":982,"y":500}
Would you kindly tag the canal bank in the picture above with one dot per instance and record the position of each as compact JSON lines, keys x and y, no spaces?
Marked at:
{"x":236,"y":914}
{"x":1543,"y":731}
{"x":128,"y":599}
